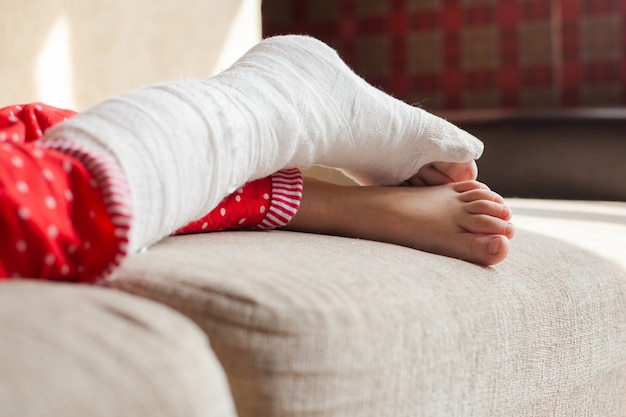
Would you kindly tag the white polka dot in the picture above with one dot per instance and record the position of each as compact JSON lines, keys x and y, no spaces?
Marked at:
{"x":51,"y":203}
{"x":38,"y":107}
{"x":238,"y":198}
{"x":21,"y":245}
{"x":47,"y":174}
{"x":71,"y":249}
{"x":22,"y":187}
{"x":23,"y":213}
{"x":65,"y":269}
{"x":13,"y":118}
{"x":67,"y":166}
{"x":49,"y":259}
{"x":205,"y":225}
{"x":240,"y":190}
{"x":15,"y":137}
{"x":92,"y":214}
{"x":223,"y":211}
{"x":262,"y":209}
{"x":241,"y":221}
{"x":53,"y":231}
{"x":119,"y":258}
{"x":3,"y":136}
{"x":17,"y":162}
{"x":18,"y":108}
{"x":39,"y":132}
{"x":38,"y":153}
{"x":87,"y":245}
{"x":266,"y":196}
{"x":69,"y":196}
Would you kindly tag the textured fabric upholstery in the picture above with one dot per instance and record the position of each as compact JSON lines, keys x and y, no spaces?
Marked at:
{"x":309,"y":325}
{"x":69,"y":350}
{"x":485,"y":54}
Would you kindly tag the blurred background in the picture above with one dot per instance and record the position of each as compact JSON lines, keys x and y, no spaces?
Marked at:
{"x":473,"y":54}
{"x":74,"y":53}
{"x":541,"y":82}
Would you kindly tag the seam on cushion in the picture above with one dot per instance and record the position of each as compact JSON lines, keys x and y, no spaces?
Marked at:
{"x":287,"y":187}
{"x":115,"y":192}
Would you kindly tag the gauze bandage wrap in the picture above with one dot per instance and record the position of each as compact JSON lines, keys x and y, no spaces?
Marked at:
{"x":289,"y":102}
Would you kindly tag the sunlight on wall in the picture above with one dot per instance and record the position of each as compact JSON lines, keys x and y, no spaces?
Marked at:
{"x":53,"y":72}
{"x":244,"y":33}
{"x":68,"y":69}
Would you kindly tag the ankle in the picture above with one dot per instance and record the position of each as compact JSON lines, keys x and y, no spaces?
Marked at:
{"x":350,"y":211}
{"x":325,"y":208}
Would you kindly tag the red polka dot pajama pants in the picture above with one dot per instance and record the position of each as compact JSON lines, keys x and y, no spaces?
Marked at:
{"x":63,"y":209}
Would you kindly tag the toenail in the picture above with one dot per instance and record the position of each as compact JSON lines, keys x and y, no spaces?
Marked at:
{"x":494,"y":246}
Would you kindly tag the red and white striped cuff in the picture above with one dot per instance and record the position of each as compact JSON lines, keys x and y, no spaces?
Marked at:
{"x":115,"y":193}
{"x":287,"y":188}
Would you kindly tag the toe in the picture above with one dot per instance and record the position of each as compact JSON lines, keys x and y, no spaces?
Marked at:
{"x":490,"y":208}
{"x":487,"y":225}
{"x":487,"y":249}
{"x":458,"y":172}
{"x":429,"y":175}
{"x":482,"y":193}
{"x":467,"y":186}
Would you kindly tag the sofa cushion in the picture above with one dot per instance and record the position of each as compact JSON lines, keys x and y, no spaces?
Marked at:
{"x":311,"y":325}
{"x":69,"y":350}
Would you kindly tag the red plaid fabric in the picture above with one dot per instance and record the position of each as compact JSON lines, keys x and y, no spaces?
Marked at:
{"x":473,"y":54}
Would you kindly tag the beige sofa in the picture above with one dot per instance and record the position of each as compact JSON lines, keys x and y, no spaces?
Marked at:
{"x":289,"y":324}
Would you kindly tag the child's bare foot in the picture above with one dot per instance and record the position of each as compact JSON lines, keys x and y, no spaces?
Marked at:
{"x":463,"y":220}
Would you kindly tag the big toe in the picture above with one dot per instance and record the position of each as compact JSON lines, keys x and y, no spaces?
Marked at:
{"x":486,"y":249}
